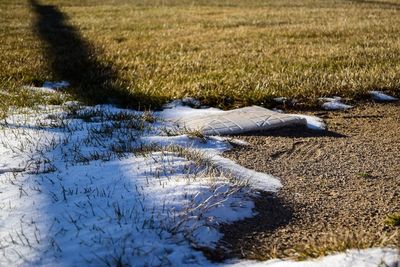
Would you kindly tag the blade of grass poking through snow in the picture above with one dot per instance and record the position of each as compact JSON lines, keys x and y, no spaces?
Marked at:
{"x":139,"y":203}
{"x":97,"y":186}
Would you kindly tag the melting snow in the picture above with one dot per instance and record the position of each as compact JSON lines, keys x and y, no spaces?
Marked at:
{"x":187,"y":112}
{"x":313,"y":122}
{"x":93,"y":186}
{"x":334,"y":103}
{"x":380,"y":96}
{"x":373,"y":257}
{"x":56,"y":85}
{"x":45,"y":90}
{"x":74,"y":194}
{"x":48,"y":87}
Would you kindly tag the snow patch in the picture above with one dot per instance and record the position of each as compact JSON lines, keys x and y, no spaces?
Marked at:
{"x":48,"y":87}
{"x":230,"y":140}
{"x":180,"y":111}
{"x":44,"y":90}
{"x":334,"y":103}
{"x":313,"y":122}
{"x":380,"y":96}
{"x":257,"y":180}
{"x":74,"y":192}
{"x":211,"y":150}
{"x":372,"y":257}
{"x":56,"y":85}
{"x":187,"y":101}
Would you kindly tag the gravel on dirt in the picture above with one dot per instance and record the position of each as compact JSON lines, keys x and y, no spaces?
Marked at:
{"x":338,"y":186}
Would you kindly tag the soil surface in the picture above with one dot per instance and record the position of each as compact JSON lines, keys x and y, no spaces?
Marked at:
{"x":338,"y":186}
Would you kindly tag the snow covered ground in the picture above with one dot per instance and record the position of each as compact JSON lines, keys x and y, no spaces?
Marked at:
{"x":352,"y":258}
{"x":94,"y":185}
{"x":101,"y":186}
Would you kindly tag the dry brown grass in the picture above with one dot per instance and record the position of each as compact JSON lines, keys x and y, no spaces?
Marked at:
{"x":225,"y":53}
{"x":342,"y":242}
{"x":331,"y":243}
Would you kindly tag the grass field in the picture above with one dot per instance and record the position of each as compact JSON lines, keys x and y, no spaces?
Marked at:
{"x":226,"y":53}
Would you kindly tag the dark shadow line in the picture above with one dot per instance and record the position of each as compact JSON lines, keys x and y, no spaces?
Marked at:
{"x":295,"y":131}
{"x":74,"y":59}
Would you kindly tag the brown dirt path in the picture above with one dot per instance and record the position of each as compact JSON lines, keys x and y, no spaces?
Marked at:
{"x":337,"y":190}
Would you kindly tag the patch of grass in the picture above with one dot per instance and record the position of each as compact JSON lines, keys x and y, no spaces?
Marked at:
{"x":196,"y":134}
{"x":140,"y":150}
{"x":14,"y":96}
{"x":329,"y":243}
{"x":366,"y":175}
{"x":200,"y":159}
{"x":191,"y":133}
{"x":393,"y":219}
{"x":342,"y":242}
{"x":225,"y":53}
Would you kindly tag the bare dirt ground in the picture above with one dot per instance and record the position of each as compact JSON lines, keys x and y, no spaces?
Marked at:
{"x":338,"y":186}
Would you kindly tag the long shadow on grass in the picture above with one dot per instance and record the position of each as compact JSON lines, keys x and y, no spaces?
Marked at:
{"x":74,"y":59}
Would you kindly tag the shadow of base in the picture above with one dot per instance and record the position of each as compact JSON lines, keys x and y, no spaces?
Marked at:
{"x":295,"y":131}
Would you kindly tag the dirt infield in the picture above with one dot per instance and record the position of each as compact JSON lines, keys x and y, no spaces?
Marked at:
{"x":338,"y":186}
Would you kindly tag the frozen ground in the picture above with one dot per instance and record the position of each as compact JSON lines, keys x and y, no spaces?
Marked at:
{"x":101,"y":186}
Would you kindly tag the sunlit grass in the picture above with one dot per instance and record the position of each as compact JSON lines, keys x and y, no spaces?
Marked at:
{"x":225,"y":53}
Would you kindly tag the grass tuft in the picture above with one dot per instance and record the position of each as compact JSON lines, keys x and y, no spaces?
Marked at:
{"x":341,"y":242}
{"x":393,"y":219}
